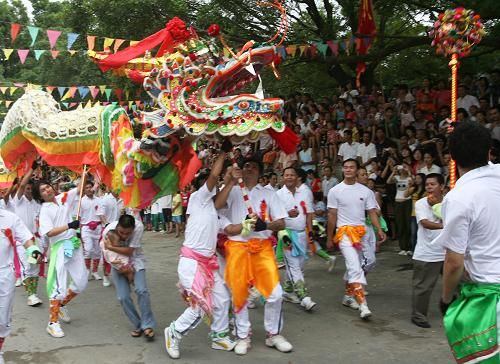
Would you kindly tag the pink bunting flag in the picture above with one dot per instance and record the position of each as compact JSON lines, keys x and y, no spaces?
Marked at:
{"x":53,"y":36}
{"x":72,"y":91}
{"x":334,"y":47}
{"x":91,"y":42}
{"x":94,"y":91}
{"x":54,"y":53}
{"x":118,"y":43}
{"x":23,"y":53}
{"x":14,"y":31}
{"x":50,"y":89}
{"x":73,"y":104}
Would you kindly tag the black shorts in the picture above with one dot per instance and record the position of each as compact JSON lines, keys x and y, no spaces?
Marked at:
{"x":167,"y":215}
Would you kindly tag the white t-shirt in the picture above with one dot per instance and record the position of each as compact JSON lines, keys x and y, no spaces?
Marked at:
{"x":401,"y":187}
{"x":299,"y":200}
{"x":203,"y":223}
{"x":89,"y":208}
{"x":466,"y":102}
{"x":27,"y":211}
{"x":433,"y":169}
{"x":20,"y":233}
{"x":165,"y":202}
{"x":471,"y":224}
{"x":349,"y":151}
{"x":425,"y":250}
{"x":367,"y":152}
{"x":307,"y":159}
{"x":259,"y":197}
{"x":59,"y":213}
{"x":135,"y":241}
{"x":110,"y":207}
{"x":328,"y":184}
{"x":351,"y":202}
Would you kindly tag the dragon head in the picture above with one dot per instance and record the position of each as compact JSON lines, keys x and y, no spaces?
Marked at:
{"x":197,"y":89}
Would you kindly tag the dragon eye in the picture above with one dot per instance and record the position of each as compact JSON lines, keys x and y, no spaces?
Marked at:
{"x":243,"y":105}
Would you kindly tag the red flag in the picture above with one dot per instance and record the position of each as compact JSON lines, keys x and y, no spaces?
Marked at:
{"x":14,"y":31}
{"x":366,"y":30}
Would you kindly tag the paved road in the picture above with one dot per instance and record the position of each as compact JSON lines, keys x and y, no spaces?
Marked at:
{"x":99,"y":332}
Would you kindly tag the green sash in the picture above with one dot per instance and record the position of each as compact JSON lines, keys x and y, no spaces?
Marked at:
{"x":471,"y":324}
{"x":51,"y":273}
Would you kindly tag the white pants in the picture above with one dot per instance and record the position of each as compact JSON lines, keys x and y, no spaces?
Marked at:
{"x":369,"y":249}
{"x":353,"y":259}
{"x":27,"y":270}
{"x":7,"y":287}
{"x":273,"y":316}
{"x":295,"y":265}
{"x":90,"y":239}
{"x":75,"y":267}
{"x":221,"y":300}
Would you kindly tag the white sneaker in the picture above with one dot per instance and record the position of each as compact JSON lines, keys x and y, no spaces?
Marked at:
{"x":242,"y":346}
{"x":19,"y":282}
{"x":172,"y":340}
{"x":350,"y":302}
{"x":364,"y":311}
{"x":409,"y":253}
{"x":64,"y":314}
{"x":54,"y":329}
{"x":280,"y":343}
{"x":223,"y":343}
{"x":402,"y":252}
{"x":34,"y":301}
{"x":331,"y":263}
{"x":105,"y":281}
{"x":307,"y":303}
{"x":89,"y":274}
{"x":291,"y":297}
{"x":1,"y":358}
{"x":96,"y":276}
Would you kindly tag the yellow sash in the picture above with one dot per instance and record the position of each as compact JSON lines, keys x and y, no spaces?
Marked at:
{"x":354,"y":233}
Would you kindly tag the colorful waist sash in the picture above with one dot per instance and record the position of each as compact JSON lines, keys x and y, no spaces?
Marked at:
{"x":73,"y":243}
{"x":250,"y":263}
{"x":200,"y":292}
{"x":471,"y":324}
{"x":354,"y":233}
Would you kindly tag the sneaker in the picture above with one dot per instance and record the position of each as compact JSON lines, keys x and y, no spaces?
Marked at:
{"x":402,"y":252}
{"x":34,"y":301}
{"x":280,"y":343}
{"x":19,"y":282}
{"x":54,"y":329}
{"x":96,"y":276}
{"x":89,"y":274}
{"x":172,"y":340}
{"x":223,"y":342}
{"x":350,"y":302}
{"x":364,"y":311}
{"x":1,"y":358}
{"x":331,"y":263}
{"x":242,"y":346}
{"x":307,"y":303}
{"x":291,"y":297}
{"x":421,"y":323}
{"x":105,"y":281}
{"x":409,"y":253}
{"x":64,"y":314}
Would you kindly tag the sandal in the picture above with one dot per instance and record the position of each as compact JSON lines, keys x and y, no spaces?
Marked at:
{"x":149,"y":334}
{"x":136,"y":333}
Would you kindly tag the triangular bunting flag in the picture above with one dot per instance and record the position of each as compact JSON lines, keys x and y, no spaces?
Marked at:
{"x":8,"y":103}
{"x":133,"y":42}
{"x":282,"y":52}
{"x":50,"y":89}
{"x":23,"y":53}
{"x":105,"y":103}
{"x":127,"y":94}
{"x":126,"y":108}
{"x":138,"y":103}
{"x":61,"y":90}
{"x":94,"y":91}
{"x":70,"y":94}
{"x":119,"y":93}
{"x":3,"y":89}
{"x":118,"y":43}
{"x":102,"y":88}
{"x":12,"y":90}
{"x":19,"y":84}
{"x":302,"y":49}
{"x":130,"y":104}
{"x":33,"y":34}
{"x":91,"y":42}
{"x":73,"y":104}
{"x":14,"y":31}
{"x":88,"y":105}
{"x":83,"y":91}
{"x":38,"y":53}
{"x":322,"y":48}
{"x":54,"y":53}
{"x":108,"y":93}
{"x":114,"y":103}
{"x":65,"y":104}
{"x":334,"y":46}
{"x":7,"y":52}
{"x":53,"y":36}
{"x":108,"y":42}
{"x":72,"y":52}
{"x":291,"y":50}
{"x":71,"y":39}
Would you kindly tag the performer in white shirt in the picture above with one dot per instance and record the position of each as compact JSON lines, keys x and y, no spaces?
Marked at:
{"x":91,"y":229}
{"x":295,"y":238}
{"x":12,"y":230}
{"x":347,"y":204}
{"x":251,"y":258}
{"x":471,"y":237}
{"x":202,"y":285}
{"x":66,"y":255}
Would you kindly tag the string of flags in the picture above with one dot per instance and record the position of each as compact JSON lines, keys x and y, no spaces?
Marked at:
{"x":127,"y":104}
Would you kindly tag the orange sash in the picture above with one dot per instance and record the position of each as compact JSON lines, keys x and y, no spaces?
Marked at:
{"x":354,"y":233}
{"x":250,"y":263}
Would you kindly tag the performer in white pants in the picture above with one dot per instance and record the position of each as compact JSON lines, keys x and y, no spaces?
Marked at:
{"x":347,"y":204}
{"x":295,"y":238}
{"x":251,"y":259}
{"x":66,"y":256}
{"x":12,"y":229}
{"x":203,"y":287}
{"x":91,"y":230}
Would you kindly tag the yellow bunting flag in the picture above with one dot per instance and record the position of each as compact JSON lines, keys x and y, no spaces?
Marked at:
{"x":102,"y":88}
{"x":7,"y":52}
{"x":133,"y":42}
{"x":8,"y":103}
{"x":108,"y":42}
{"x":12,"y":89}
